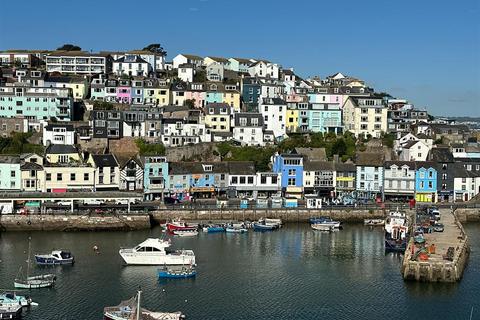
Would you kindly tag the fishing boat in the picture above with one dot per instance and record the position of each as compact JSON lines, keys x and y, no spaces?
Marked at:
{"x":235,"y":230}
{"x":33,"y":282}
{"x":213,"y":229}
{"x":131,"y":310}
{"x":396,"y":232}
{"x":322,"y":227}
{"x":154,"y":251}
{"x":11,"y":298}
{"x":374,"y":222}
{"x":259,"y":226}
{"x":177,"y":273}
{"x":179,"y":225}
{"x":56,"y":257}
{"x":10,"y":312}
{"x":185,"y":233}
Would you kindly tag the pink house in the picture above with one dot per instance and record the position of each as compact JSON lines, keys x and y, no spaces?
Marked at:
{"x":196,"y":91}
{"x":124,"y":94}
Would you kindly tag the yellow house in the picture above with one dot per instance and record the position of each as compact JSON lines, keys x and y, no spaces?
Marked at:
{"x":78,"y":85}
{"x":67,"y":177}
{"x":292,"y":120}
{"x":59,"y":153}
{"x":231,"y":96}
{"x":32,"y":173}
{"x":365,"y":116}
{"x":217,"y":117}
{"x":156,"y":92}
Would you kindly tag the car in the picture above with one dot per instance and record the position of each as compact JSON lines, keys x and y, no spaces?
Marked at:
{"x":438,"y":227}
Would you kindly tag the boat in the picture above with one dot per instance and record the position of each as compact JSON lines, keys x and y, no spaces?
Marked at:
{"x":273,"y":221}
{"x":179,"y":225}
{"x":322,"y":227}
{"x":235,"y":230}
{"x":154,"y":251}
{"x":10,"y":312}
{"x":177,"y":273}
{"x":11,"y":298}
{"x":56,"y":257}
{"x":213,"y":229}
{"x":259,"y":226}
{"x":326,"y":221}
{"x":374,"y":222}
{"x":131,"y":310}
{"x":185,"y":233}
{"x":396,"y":232}
{"x":33,"y":282}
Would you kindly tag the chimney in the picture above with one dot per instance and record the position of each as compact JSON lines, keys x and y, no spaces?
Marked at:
{"x":336,"y":158}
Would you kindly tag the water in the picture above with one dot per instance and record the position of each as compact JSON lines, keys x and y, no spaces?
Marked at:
{"x":294,"y":273}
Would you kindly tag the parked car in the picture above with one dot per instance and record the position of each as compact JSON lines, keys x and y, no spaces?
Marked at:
{"x":438,"y":227}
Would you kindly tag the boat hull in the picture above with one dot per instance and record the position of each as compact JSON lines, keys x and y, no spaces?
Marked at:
{"x":49,"y":261}
{"x":322,"y":227}
{"x":392,"y":245}
{"x":169,"y":275}
{"x":175,"y":227}
{"x":215,"y":229}
{"x":10,"y":312}
{"x":154,"y":259}
{"x":236,"y":230}
{"x":261,"y":227}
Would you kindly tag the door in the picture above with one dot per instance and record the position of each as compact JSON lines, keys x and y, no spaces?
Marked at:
{"x":465,"y":196}
{"x":131,"y":185}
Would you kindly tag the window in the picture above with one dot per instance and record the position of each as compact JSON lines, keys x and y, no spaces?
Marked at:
{"x":72,"y":176}
{"x":86,"y":177}
{"x":250,"y":180}
{"x":242,"y":180}
{"x":291,"y":181}
{"x":274,"y":180}
{"x":12,"y":174}
{"x":362,"y":185}
{"x":292,"y":172}
{"x":59,"y":177}
{"x":48,"y":177}
{"x":430,"y":184}
{"x":430,"y":174}
{"x":234,"y":180}
{"x":444,"y":176}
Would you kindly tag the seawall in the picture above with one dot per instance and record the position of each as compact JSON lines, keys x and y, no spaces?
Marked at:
{"x":73,"y":222}
{"x":287,"y":215}
{"x":468,"y":214}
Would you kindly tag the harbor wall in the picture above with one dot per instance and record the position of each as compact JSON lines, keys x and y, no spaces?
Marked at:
{"x":73,"y":222}
{"x":287,"y":215}
{"x":468,"y":214}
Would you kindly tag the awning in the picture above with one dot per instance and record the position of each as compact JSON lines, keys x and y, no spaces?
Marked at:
{"x":202,"y":189}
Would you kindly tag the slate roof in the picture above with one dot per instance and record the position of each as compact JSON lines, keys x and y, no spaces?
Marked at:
{"x":410,"y":164}
{"x":243,"y":60}
{"x":409,"y":144}
{"x":192,"y":56}
{"x":10,"y":159}
{"x":137,"y":59}
{"x":249,"y":116}
{"x":241,"y":167}
{"x":318,"y":166}
{"x":218,"y":59}
{"x":273,"y":101}
{"x":440,"y":155}
{"x":104,"y":160}
{"x":312,"y":154}
{"x":124,"y":159}
{"x":372,"y":159}
{"x":31,"y":166}
{"x":50,"y":126}
{"x":345,"y":166}
{"x":61,"y":149}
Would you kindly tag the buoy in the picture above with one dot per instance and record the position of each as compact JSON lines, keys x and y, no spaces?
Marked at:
{"x":95,"y":248}
{"x":186,"y":300}
{"x":18,"y":223}
{"x":29,"y":222}
{"x":163,"y":290}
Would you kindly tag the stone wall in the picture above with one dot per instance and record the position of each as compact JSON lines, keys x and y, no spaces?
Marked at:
{"x":468,"y":214}
{"x":72,"y":223}
{"x":202,"y":150}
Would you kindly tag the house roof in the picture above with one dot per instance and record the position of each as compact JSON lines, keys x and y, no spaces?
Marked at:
{"x":137,"y":59}
{"x":124,"y":159}
{"x":191,"y":56}
{"x":243,"y":60}
{"x":218,"y":59}
{"x":372,"y":159}
{"x":410,"y":164}
{"x":345,"y":166}
{"x":241,"y":167}
{"x":441,"y":155}
{"x":10,"y":159}
{"x":312,"y":154}
{"x":318,"y":165}
{"x":409,"y":144}
{"x":50,"y":126}
{"x":61,"y":149}
{"x":31,"y":166}
{"x":248,"y":116}
{"x":273,"y":101}
{"x":104,"y":160}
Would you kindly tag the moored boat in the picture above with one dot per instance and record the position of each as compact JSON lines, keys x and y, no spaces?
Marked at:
{"x":177,"y":273}
{"x":322,"y":227}
{"x":180,"y":225}
{"x":185,"y":233}
{"x":374,"y":222}
{"x":155,"y":251}
{"x":326,"y":221}
{"x":235,"y":230}
{"x":132,"y":310}
{"x":396,"y":232}
{"x":213,"y":229}
{"x":10,"y":312}
{"x":56,"y":257}
{"x":11,"y":298}
{"x":257,"y":226}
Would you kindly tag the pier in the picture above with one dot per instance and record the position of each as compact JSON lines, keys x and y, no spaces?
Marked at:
{"x":445,"y":260}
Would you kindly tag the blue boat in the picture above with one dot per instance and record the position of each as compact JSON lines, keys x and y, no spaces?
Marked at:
{"x":177,"y":273}
{"x":213,"y":229}
{"x":263,"y":227}
{"x":57,"y":257}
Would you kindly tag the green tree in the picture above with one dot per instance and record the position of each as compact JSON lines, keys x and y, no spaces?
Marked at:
{"x":150,"y":149}
{"x":69,"y":47}
{"x":156,"y":48}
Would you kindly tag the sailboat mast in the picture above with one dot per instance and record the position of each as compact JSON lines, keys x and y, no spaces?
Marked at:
{"x":28,"y":257}
{"x":138,"y":304}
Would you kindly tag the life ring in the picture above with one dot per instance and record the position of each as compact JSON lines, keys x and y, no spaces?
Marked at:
{"x":29,"y":222}
{"x":18,"y":223}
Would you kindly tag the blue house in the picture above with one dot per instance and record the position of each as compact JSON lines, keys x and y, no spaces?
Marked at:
{"x":325,"y":117}
{"x":290,"y":166}
{"x":155,"y":177}
{"x":251,"y":93}
{"x":425,"y":182}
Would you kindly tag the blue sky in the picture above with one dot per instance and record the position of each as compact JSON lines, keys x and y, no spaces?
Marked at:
{"x":425,"y":51}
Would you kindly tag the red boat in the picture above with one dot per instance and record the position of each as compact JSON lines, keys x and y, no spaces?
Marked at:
{"x":179,"y":226}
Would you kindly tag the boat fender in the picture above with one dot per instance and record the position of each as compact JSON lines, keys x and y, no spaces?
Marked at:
{"x":29,"y":222}
{"x":18,"y":223}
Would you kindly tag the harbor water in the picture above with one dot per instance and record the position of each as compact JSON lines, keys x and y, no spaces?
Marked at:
{"x":292,"y":273}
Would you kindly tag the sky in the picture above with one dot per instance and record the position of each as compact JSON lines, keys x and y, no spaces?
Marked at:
{"x":425,"y":51}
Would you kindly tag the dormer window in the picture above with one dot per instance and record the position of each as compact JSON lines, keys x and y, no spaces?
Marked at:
{"x":207,"y":167}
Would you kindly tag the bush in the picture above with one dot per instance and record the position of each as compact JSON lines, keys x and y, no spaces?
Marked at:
{"x":150,"y":149}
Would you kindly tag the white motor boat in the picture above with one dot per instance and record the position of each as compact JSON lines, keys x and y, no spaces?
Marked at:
{"x":154,"y":251}
{"x":185,"y":233}
{"x":323,"y":227}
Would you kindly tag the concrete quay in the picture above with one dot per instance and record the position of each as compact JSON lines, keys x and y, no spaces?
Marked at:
{"x":437,"y":268}
{"x":73,"y":222}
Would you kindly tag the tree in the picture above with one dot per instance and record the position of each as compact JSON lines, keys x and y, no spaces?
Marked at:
{"x":69,"y":47}
{"x":150,"y":149}
{"x":156,"y":48}
{"x":102,"y":105}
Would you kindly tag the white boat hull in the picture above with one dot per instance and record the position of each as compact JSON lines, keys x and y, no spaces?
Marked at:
{"x":156,"y":259}
{"x":322,"y":227}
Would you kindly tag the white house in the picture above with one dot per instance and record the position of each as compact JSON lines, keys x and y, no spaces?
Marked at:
{"x":399,"y":179}
{"x":177,"y":132}
{"x":185,"y":72}
{"x":215,"y":71}
{"x":132,"y":65}
{"x":248,"y":129}
{"x":274,"y":112}
{"x":264,"y":69}
{"x":239,"y":64}
{"x":58,"y":133}
{"x":369,"y":175}
{"x":268,"y":184}
{"x":466,"y":186}
{"x":414,"y":151}
{"x":179,"y":59}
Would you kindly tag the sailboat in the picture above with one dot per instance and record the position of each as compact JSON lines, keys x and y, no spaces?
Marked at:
{"x":33,"y":282}
{"x":131,"y":310}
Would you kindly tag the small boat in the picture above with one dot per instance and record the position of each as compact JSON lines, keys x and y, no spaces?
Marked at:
{"x":322,"y":227}
{"x":33,"y":282}
{"x":156,"y":252}
{"x":10,"y":312}
{"x":235,"y":230}
{"x":257,"y":226}
{"x":273,"y":221}
{"x":177,"y":273}
{"x":213,"y":229}
{"x":11,"y":298}
{"x":326,"y":221}
{"x":56,"y":257}
{"x":180,"y":225}
{"x":185,"y":233}
{"x":374,"y":222}
{"x":396,"y":232}
{"x":131,"y":310}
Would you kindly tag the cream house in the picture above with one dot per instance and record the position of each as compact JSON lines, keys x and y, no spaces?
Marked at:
{"x":59,"y":153}
{"x":68,"y":177}
{"x":365,"y":116}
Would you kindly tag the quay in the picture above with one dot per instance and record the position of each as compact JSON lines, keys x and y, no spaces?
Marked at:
{"x":447,"y":261}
